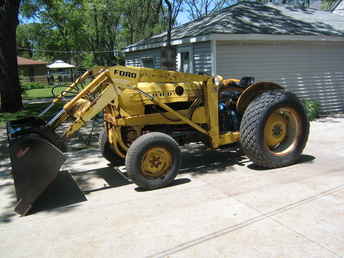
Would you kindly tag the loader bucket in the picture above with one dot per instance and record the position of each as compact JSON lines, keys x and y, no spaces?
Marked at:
{"x":35,"y":161}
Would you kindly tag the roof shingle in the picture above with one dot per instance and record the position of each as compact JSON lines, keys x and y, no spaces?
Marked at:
{"x":257,"y":18}
{"x":25,"y":61}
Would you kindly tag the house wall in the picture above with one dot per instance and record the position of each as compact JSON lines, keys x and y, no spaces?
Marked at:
{"x":312,"y":70}
{"x":201,"y":54}
{"x":136,"y":58}
{"x":202,"y":57}
{"x":33,"y":73}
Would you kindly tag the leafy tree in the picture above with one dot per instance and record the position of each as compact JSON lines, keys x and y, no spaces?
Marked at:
{"x":176,"y":8}
{"x":90,"y":31}
{"x":10,"y":90}
{"x":142,"y":19}
{"x":100,"y":29}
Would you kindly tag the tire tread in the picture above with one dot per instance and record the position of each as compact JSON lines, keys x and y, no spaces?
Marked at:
{"x":252,"y":121}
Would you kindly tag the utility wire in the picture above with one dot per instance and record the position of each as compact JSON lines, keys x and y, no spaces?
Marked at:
{"x":71,"y":51}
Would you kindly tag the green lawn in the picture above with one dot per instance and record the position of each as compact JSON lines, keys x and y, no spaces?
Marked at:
{"x":33,"y":109}
{"x":41,"y":93}
{"x":29,"y":110}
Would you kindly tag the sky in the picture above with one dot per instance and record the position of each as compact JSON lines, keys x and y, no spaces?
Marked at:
{"x":183,"y":18}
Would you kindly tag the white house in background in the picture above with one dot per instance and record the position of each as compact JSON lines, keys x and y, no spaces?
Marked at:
{"x":302,"y":50}
{"x":338,"y":7}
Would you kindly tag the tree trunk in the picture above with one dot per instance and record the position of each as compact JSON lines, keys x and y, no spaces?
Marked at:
{"x":168,"y":54}
{"x":10,"y":91}
{"x":169,"y":30}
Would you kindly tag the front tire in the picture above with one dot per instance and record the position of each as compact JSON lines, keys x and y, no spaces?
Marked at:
{"x":274,"y":129}
{"x":153,"y":160}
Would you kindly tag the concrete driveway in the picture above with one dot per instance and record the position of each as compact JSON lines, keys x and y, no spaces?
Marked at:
{"x":220,"y":206}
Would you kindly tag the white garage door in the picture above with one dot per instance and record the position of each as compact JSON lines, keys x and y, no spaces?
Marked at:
{"x":312,"y":70}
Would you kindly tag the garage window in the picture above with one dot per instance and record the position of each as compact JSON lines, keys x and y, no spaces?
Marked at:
{"x":148,"y":62}
{"x":184,"y":59}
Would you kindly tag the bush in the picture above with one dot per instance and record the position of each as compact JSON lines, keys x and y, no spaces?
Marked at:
{"x":312,"y":109}
{"x":33,"y":85}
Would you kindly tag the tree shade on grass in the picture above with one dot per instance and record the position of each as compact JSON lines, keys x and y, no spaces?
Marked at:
{"x":29,"y":110}
{"x":41,"y":93}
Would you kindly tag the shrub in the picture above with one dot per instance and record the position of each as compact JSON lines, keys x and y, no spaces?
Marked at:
{"x":312,"y":109}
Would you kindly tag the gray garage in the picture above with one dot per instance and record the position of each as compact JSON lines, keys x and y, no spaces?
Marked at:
{"x":302,"y":50}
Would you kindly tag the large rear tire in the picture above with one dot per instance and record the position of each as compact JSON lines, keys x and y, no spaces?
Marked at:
{"x":153,"y":160}
{"x":274,"y":129}
{"x":108,"y":153}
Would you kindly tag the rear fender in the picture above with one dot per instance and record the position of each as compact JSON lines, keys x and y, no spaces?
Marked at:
{"x":251,"y":92}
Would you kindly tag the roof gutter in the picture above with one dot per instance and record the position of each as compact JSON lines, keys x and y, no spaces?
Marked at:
{"x":174,"y":42}
{"x":271,"y":37}
{"x":236,"y":37}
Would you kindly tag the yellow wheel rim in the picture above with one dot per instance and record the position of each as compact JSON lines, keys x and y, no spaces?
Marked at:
{"x":275,"y":129}
{"x":281,"y":131}
{"x":156,"y":162}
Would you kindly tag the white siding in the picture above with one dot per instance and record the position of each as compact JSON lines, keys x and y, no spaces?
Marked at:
{"x":135,"y":58}
{"x":200,"y":52}
{"x":311,"y":70}
{"x":202,"y":57}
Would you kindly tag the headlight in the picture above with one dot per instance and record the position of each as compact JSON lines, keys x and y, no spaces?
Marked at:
{"x":218,"y":80}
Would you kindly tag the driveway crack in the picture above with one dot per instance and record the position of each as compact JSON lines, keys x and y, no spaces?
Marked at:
{"x":248,"y":222}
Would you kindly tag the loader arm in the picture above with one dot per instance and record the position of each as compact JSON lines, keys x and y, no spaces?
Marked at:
{"x":36,"y":150}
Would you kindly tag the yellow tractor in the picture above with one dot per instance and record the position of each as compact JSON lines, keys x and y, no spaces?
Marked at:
{"x":148,"y":114}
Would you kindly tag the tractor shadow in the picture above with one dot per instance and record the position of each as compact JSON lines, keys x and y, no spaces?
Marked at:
{"x":197,"y":160}
{"x":69,"y":189}
{"x":178,"y":181}
{"x":303,"y":159}
{"x":63,"y":191}
{"x":99,"y":179}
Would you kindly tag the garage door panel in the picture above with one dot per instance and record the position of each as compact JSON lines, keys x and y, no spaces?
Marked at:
{"x":312,"y":71}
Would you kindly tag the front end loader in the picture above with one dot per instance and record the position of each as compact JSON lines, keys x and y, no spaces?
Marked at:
{"x":148,"y":114}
